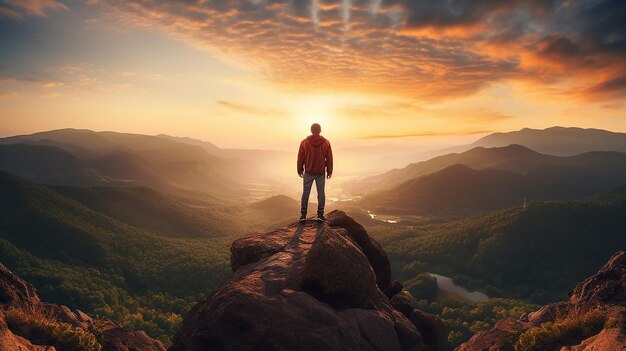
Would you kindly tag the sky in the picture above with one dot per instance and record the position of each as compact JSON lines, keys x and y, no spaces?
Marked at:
{"x":257,"y":73}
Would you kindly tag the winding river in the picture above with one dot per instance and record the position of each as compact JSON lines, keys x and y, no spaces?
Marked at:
{"x":447,"y":286}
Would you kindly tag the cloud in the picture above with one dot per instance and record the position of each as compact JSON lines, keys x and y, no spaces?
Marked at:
{"x":252,"y":110}
{"x":384,"y":110}
{"x":327,"y":45}
{"x":615,"y":87}
{"x":468,"y":13}
{"x":411,"y":110}
{"x":17,"y":9}
{"x":428,"y":50}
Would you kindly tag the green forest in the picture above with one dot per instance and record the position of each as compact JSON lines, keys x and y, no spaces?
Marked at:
{"x":535,"y":253}
{"x":86,"y":260}
{"x":142,"y":259}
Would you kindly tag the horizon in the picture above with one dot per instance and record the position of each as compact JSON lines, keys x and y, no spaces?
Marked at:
{"x":440,"y":143}
{"x":256,"y":74}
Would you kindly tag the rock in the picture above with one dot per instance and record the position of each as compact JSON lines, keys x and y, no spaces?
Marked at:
{"x":117,"y":338}
{"x":608,"y":286}
{"x":337,"y":272}
{"x":371,"y":248}
{"x":16,"y":293}
{"x":253,"y":248}
{"x":501,"y":338}
{"x":433,"y":330}
{"x":610,"y":339}
{"x":303,"y":287}
{"x":605,"y":290}
{"x":65,"y":315}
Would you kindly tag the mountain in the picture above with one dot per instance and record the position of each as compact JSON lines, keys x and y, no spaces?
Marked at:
{"x":536,"y":253}
{"x":270,"y":162}
{"x":86,"y":259}
{"x":445,"y":186}
{"x":593,"y":318}
{"x":454,"y":191}
{"x":513,"y":158}
{"x":459,"y":191}
{"x":176,"y":168}
{"x":27,"y":323}
{"x":149,"y":209}
{"x":272,"y":212}
{"x":48,"y":164}
{"x":273,"y":170}
{"x":308,"y":286}
{"x":559,"y":141}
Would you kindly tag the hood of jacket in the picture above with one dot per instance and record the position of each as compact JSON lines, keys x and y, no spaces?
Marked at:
{"x":315,"y":140}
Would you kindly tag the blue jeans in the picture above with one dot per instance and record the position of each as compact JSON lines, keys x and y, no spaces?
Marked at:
{"x":320,"y":180}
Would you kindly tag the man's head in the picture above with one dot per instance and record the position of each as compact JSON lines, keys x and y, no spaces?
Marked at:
{"x":316,"y":128}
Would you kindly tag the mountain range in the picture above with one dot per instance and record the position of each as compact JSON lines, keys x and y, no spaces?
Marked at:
{"x":560,"y":141}
{"x":484,"y":179}
{"x":86,"y":157}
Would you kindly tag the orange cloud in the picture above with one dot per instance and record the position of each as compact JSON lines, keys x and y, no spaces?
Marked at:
{"x":427,"y":50}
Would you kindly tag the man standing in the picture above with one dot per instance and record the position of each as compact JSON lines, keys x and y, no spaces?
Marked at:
{"x":315,"y":163}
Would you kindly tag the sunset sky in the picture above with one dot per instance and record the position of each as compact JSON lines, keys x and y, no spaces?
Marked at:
{"x":256,"y":73}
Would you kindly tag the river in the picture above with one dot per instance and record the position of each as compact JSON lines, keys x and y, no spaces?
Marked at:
{"x":447,"y":286}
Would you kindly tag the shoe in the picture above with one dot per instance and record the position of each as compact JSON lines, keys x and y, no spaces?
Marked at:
{"x":320,"y":218}
{"x":302,"y":219}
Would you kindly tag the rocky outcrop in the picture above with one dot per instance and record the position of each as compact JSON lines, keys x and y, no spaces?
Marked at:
{"x":305,"y":287}
{"x":17,"y":295}
{"x":601,"y":296}
{"x":15,"y":291}
{"x":118,"y":338}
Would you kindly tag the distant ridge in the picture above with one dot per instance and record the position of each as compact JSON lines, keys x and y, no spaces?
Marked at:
{"x":48,"y":164}
{"x":177,"y":168}
{"x":560,"y":141}
{"x":512,"y":158}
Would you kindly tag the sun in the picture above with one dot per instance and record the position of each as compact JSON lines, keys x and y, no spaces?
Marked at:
{"x":313,"y":110}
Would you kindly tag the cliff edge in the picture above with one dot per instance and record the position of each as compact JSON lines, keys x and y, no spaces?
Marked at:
{"x":308,"y":287}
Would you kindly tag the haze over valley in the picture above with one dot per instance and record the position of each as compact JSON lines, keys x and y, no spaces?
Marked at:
{"x":154,"y":156}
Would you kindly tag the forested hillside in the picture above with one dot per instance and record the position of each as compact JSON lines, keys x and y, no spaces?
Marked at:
{"x":88,"y":260}
{"x":535,"y":253}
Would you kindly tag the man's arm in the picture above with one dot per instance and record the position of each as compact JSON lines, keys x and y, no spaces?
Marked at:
{"x":329,"y":162}
{"x":301,"y":160}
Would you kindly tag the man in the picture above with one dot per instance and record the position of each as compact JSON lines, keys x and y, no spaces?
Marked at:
{"x":315,"y":163}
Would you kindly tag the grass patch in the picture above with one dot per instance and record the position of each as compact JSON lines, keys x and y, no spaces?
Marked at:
{"x":571,"y":329}
{"x":39,"y":330}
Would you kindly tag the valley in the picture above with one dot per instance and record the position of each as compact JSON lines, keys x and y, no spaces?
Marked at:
{"x":138,"y":228}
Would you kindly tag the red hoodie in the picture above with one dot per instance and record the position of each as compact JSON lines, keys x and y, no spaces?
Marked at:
{"x":315,"y":155}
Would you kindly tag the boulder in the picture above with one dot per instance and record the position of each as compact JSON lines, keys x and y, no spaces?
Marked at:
{"x":337,"y":272}
{"x":371,"y":248}
{"x":302,"y":287}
